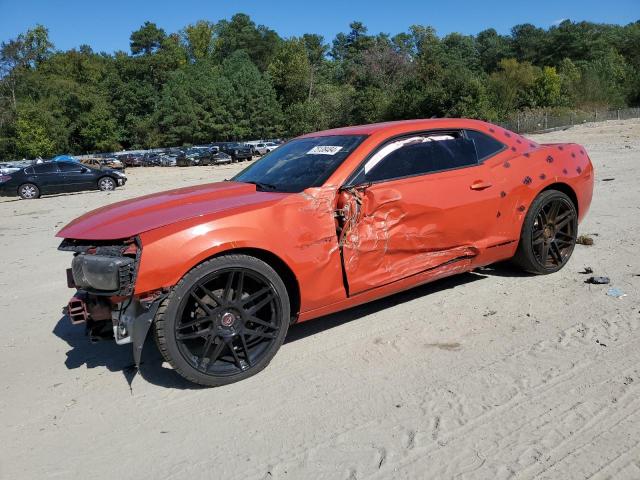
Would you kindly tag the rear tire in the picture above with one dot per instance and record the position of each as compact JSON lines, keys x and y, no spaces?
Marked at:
{"x":29,"y":191}
{"x":224,"y":321}
{"x":548,"y":234}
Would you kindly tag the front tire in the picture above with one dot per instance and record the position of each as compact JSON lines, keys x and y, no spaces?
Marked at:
{"x":224,"y":321}
{"x":106,"y":184}
{"x":29,"y":191}
{"x":548,"y":234}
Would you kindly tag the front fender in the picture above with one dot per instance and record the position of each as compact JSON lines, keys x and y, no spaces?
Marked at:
{"x":168,"y":256}
{"x":300,"y":232}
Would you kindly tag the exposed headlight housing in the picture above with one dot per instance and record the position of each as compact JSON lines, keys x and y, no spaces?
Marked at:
{"x":103,"y":275}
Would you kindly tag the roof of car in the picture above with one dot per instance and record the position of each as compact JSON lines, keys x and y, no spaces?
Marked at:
{"x":400,"y":125}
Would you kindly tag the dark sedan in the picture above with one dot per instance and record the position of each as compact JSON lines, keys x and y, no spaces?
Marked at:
{"x":58,"y":177}
{"x":202,"y":157}
{"x":237,"y":151}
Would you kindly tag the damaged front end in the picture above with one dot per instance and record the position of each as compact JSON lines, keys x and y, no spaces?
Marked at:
{"x":104,"y":275}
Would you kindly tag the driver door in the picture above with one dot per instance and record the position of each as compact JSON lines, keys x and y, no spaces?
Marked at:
{"x":77,"y":176}
{"x":418,"y":203}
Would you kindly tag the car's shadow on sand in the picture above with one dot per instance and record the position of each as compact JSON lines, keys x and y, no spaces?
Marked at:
{"x":120,"y":359}
{"x":117,"y":358}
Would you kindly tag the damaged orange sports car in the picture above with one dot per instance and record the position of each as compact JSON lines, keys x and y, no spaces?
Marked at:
{"x":327,"y":221}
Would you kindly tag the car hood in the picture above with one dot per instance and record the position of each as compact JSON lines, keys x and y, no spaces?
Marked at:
{"x":132,"y":217}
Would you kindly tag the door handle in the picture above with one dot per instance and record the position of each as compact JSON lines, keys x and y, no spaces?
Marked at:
{"x":479,"y":185}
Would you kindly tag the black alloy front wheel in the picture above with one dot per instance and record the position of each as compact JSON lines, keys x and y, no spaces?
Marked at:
{"x":224,"y":321}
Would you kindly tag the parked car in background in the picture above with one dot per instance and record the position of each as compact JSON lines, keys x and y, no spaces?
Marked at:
{"x":265,"y":147}
{"x":130,"y":160}
{"x":9,"y":168}
{"x":151,"y":159}
{"x":57,"y":177}
{"x":203,"y":158}
{"x":114,"y":163}
{"x":101,"y":163}
{"x":165,"y":160}
{"x":252,"y":145}
{"x":237,"y":151}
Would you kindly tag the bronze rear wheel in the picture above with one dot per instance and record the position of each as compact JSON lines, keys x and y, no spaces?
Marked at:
{"x":548,"y":234}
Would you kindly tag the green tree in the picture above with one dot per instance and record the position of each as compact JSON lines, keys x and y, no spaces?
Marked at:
{"x":528,"y":42}
{"x":570,"y":77}
{"x":241,"y":33}
{"x":512,"y":85}
{"x":254,"y":104}
{"x":316,"y":51}
{"x":199,"y":40}
{"x":27,"y":51}
{"x":606,"y":81}
{"x":290,"y":72}
{"x":492,"y":48}
{"x":32,"y":137}
{"x":147,"y":39}
{"x":194,"y":107}
{"x":547,"y":88}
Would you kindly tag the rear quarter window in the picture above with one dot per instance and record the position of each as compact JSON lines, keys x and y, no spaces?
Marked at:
{"x":486,"y":146}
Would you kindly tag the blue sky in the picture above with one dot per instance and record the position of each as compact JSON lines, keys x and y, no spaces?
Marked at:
{"x":106,"y":25}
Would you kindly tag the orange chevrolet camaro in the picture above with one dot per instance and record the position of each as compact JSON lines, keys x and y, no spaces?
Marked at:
{"x":327,"y":221}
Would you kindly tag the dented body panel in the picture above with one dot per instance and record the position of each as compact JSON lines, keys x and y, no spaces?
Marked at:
{"x":299,"y":229}
{"x":348,"y":244}
{"x":411,"y":225}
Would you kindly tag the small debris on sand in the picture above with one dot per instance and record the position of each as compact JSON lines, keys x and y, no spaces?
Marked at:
{"x":598,"y":280}
{"x":584,"y":240}
{"x":616,"y":293}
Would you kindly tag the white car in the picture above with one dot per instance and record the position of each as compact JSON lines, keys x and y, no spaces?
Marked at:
{"x":264,"y":147}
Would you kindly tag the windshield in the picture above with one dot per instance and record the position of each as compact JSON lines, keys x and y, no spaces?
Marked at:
{"x":300,"y":163}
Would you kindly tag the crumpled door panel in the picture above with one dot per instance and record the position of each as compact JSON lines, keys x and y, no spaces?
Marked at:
{"x":397,"y":229}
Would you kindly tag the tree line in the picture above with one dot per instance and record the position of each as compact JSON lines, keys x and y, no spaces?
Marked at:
{"x":234,"y":80}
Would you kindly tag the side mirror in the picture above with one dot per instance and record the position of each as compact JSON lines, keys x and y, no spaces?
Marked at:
{"x":84,"y":169}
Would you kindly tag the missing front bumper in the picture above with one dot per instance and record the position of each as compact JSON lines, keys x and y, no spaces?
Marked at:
{"x":129,"y":321}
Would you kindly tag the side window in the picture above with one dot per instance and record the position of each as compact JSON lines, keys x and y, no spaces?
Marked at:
{"x":45,"y":168}
{"x":486,"y":146}
{"x":419,"y":155}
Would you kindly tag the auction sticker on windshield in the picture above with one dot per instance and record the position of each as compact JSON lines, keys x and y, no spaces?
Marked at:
{"x":324,"y":150}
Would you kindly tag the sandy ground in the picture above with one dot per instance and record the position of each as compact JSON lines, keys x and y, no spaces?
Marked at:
{"x":485,"y":375}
